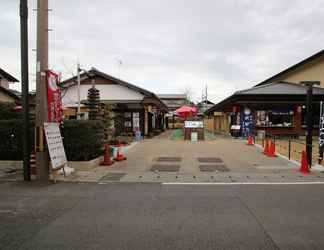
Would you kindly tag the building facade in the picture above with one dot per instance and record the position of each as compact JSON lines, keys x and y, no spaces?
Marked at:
{"x":134,"y":108}
{"x":7,"y":95}
{"x":276,"y":106}
{"x":173,"y":102}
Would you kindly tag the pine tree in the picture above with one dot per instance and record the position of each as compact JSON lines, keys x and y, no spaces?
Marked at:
{"x":93,"y":103}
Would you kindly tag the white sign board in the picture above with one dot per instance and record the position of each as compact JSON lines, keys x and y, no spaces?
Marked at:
{"x":136,"y":121}
{"x":194,"y":124}
{"x":55,"y":145}
{"x":235,"y":127}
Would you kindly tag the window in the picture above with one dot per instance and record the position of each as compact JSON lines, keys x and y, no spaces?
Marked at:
{"x":275,"y":118}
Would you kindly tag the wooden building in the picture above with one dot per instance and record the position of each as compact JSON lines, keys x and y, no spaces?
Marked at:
{"x":134,"y":108}
{"x":277,"y":109}
{"x":275,"y":105}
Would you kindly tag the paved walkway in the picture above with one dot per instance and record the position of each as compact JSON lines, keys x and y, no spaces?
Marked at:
{"x":220,"y":159}
{"x":234,"y":154}
{"x":236,"y":162}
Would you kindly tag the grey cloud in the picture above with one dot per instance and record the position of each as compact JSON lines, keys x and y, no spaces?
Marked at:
{"x":168,"y":45}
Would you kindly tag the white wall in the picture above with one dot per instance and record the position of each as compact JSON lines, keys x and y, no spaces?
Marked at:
{"x":108,"y":92}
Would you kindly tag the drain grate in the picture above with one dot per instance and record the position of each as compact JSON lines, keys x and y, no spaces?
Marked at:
{"x":210,"y":159}
{"x":169,"y":159}
{"x":165,"y":167}
{"x":112,"y":177}
{"x":212,"y":168}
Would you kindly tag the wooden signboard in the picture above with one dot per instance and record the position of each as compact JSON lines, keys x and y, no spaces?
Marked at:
{"x":55,"y":145}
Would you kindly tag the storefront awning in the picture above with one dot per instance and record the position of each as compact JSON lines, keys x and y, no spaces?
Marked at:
{"x":270,"y":95}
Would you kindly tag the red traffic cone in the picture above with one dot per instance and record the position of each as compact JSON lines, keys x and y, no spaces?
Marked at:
{"x":271,"y":149}
{"x":107,"y":160}
{"x":303,"y":163}
{"x":250,"y":141}
{"x":120,"y":156}
{"x":266,"y":147}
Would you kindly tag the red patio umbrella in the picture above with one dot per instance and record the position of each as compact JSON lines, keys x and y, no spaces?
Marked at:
{"x":186,"y":111}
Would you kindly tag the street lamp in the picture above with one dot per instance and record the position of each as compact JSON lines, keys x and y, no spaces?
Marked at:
{"x":309,"y":119}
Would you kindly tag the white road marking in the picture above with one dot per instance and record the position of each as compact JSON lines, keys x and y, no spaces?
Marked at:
{"x":241,"y":183}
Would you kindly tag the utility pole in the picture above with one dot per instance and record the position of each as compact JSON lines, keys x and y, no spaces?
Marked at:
{"x":24,"y":86}
{"x":42,"y":157}
{"x":78,"y":79}
{"x":206,"y":99}
{"x":309,"y":119}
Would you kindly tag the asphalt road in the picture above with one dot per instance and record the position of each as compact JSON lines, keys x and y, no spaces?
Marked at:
{"x":154,"y":216}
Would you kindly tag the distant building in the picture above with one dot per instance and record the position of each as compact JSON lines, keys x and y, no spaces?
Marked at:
{"x":6,"y":78}
{"x":173,"y":102}
{"x":7,"y":95}
{"x":135,"y":108}
{"x":203,"y":106}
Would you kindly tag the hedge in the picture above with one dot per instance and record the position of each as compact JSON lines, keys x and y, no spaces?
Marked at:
{"x":83,"y":139}
{"x":11,"y":132}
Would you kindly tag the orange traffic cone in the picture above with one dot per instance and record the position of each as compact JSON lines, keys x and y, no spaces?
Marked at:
{"x":120,"y":156}
{"x":250,"y":141}
{"x":303,"y":163}
{"x":107,"y":160}
{"x":266,"y":147}
{"x":271,"y":149}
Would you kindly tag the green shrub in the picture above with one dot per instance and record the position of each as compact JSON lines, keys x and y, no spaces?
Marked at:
{"x":11,"y":132}
{"x":83,"y":139}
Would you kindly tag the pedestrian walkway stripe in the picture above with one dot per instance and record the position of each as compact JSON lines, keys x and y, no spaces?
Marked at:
{"x":240,"y":183}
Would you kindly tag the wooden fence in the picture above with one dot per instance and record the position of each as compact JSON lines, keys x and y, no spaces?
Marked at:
{"x":292,"y":148}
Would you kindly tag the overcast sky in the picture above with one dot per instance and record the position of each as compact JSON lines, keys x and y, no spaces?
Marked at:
{"x":167,"y":46}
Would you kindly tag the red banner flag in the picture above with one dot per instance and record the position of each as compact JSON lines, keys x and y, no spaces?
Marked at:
{"x":54,"y":102}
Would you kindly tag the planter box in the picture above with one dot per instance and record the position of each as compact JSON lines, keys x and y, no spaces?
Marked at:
{"x":85,"y":165}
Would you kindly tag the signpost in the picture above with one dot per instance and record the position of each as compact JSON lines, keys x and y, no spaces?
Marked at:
{"x":194,"y":124}
{"x":55,"y":146}
{"x":309,"y":119}
{"x":321,"y":135}
{"x":247,"y":122}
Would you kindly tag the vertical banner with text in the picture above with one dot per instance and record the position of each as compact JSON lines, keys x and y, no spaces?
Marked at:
{"x":54,"y":102}
{"x":321,"y":135}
